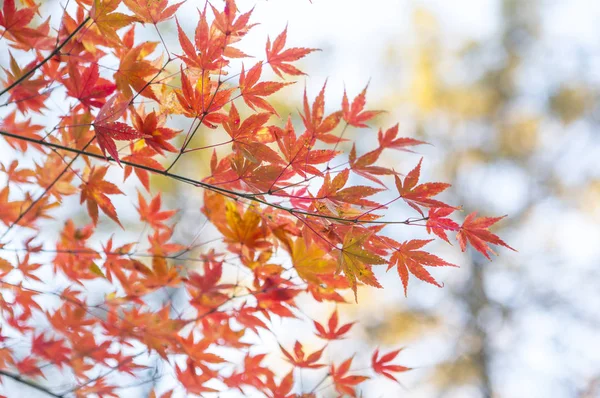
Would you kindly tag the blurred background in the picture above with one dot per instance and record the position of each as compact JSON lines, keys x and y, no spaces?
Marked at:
{"x":507,"y":92}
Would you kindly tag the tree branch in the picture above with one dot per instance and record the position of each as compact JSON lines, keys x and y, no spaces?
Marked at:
{"x":48,"y":58}
{"x":210,"y":187}
{"x":29,"y":383}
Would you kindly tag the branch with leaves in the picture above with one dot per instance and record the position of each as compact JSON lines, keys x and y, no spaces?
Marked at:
{"x":293,"y":224}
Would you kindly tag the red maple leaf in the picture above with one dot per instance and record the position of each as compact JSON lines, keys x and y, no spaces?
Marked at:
{"x":420,"y":195}
{"x":15,"y":24}
{"x":51,"y":349}
{"x":151,"y":127}
{"x":345,"y":384}
{"x":333,"y":333}
{"x":475,"y":231}
{"x":87,"y":86}
{"x":380,"y":365}
{"x":108,"y":129}
{"x":409,"y":259}
{"x":438,"y":223}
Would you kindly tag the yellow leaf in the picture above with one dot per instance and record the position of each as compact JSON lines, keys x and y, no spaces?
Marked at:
{"x":310,"y":262}
{"x":356,"y":262}
{"x":96,"y":270}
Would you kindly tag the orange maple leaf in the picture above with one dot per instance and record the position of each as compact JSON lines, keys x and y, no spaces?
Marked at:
{"x":300,"y":359}
{"x":354,"y":114}
{"x":152,"y":11}
{"x":252,"y":91}
{"x":94,"y":192}
{"x":151,"y":214}
{"x":316,"y":124}
{"x":107,"y":21}
{"x":280,"y":59}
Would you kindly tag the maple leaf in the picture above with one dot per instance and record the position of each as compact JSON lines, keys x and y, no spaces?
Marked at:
{"x":356,"y":262}
{"x":151,"y":213}
{"x":475,"y":231}
{"x":409,"y":259}
{"x":200,"y":101}
{"x":134,"y":71}
{"x":107,"y":21}
{"x":27,"y":268}
{"x":88,"y":87}
{"x":143,"y":157}
{"x":354,"y":114}
{"x":314,"y":121}
{"x":389,"y":140}
{"x":50,"y":349}
{"x":197,"y":351}
{"x":362,"y":166}
{"x":209,"y":49}
{"x":333,"y":333}
{"x":334,"y":198}
{"x":420,"y":195}
{"x":380,"y":365}
{"x":252,"y":374}
{"x":152,"y":11}
{"x":247,"y":139}
{"x":280,"y":59}
{"x":284,"y":389}
{"x":29,"y":366}
{"x":242,"y":227}
{"x":151,"y":126}
{"x":51,"y":177}
{"x":108,"y":129}
{"x":24,"y":129}
{"x":21,"y":176}
{"x":204,"y":289}
{"x":15,"y":24}
{"x":297,"y":151}
{"x":228,"y":25}
{"x":345,"y":384}
{"x":28,"y":94}
{"x":94,"y":192}
{"x":191,"y":380}
{"x":252,"y":91}
{"x":438,"y":223}
{"x":310,"y":261}
{"x":299,"y":359}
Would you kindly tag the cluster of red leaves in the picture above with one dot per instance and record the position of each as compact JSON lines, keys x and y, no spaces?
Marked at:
{"x":272,"y":191}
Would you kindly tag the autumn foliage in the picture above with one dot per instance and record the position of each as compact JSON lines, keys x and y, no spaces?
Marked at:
{"x":292,"y":210}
